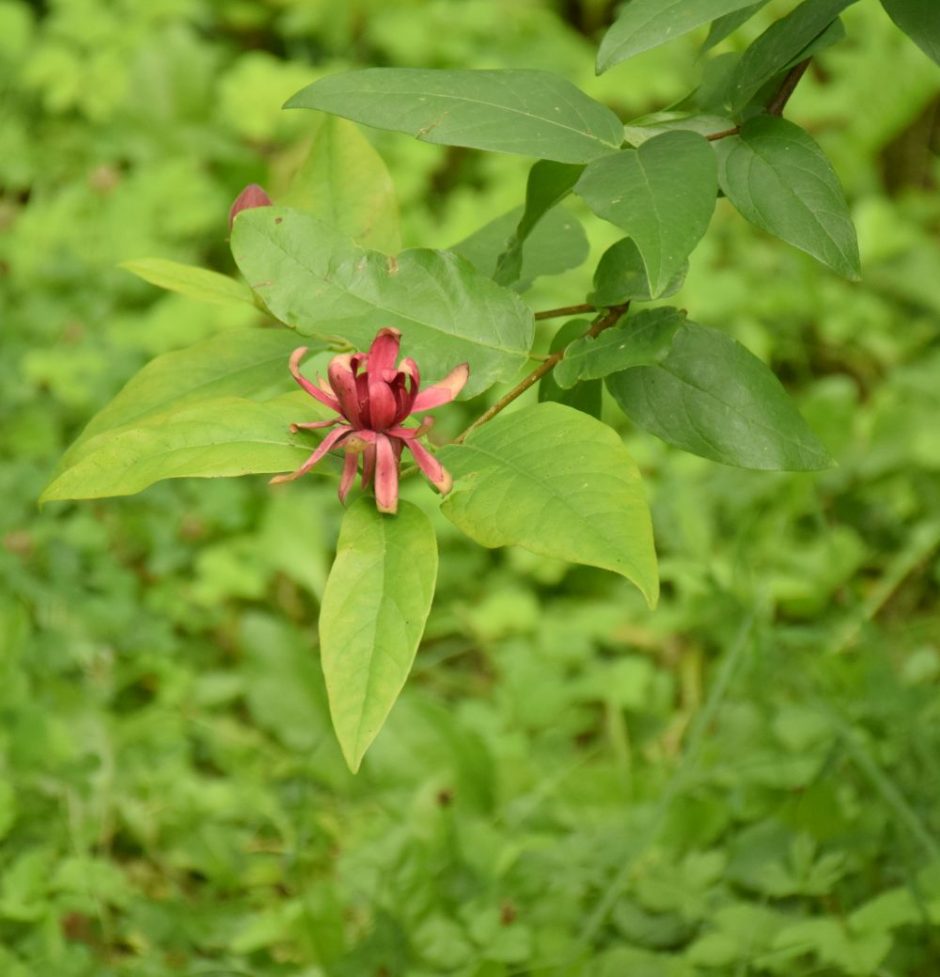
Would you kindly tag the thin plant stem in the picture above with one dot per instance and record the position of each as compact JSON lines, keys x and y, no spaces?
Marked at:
{"x":566,"y":310}
{"x":610,"y":317}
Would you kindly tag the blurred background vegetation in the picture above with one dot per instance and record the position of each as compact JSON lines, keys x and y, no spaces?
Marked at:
{"x":743,"y":782}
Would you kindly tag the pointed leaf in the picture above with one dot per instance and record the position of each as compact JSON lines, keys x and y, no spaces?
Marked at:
{"x":316,"y":280}
{"x":641,"y":339}
{"x":783,"y":42}
{"x":559,"y":483}
{"x":587,"y":396}
{"x":714,"y":398}
{"x":620,"y":276}
{"x":920,"y":21}
{"x":226,"y":436}
{"x":191,"y":281}
{"x":533,"y":113}
{"x":346,"y":184}
{"x":662,"y":194}
{"x":548,"y":184}
{"x":645,"y":24}
{"x":374,"y":608}
{"x":725,"y":26}
{"x":780,"y":180}
{"x":249,"y":363}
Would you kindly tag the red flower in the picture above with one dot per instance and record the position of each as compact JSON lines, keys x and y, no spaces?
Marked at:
{"x":373,"y":398}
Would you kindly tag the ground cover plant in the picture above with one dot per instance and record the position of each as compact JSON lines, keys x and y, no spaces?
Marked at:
{"x":742,"y":780}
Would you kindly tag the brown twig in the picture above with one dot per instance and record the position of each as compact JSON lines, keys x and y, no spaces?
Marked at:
{"x":777,"y":104}
{"x":565,"y":310}
{"x":714,"y":136}
{"x":610,"y":317}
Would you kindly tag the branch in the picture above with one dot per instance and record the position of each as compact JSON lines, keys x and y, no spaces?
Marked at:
{"x":777,"y":104}
{"x":565,"y":310}
{"x":610,"y":317}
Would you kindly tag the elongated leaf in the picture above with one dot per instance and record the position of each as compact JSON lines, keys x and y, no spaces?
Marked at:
{"x":662,"y":194}
{"x":620,"y":276}
{"x":642,"y":130}
{"x":548,"y":184}
{"x":226,"y":436}
{"x":641,"y":339}
{"x":374,"y":608}
{"x":533,"y":113}
{"x":195,"y":283}
{"x":557,"y":482}
{"x":587,"y":396}
{"x":780,"y":180}
{"x":345,"y":183}
{"x":729,"y":23}
{"x":645,"y":24}
{"x":714,"y":398}
{"x":779,"y":45}
{"x":918,"y":19}
{"x":556,"y":244}
{"x":248,"y":363}
{"x":319,"y":282}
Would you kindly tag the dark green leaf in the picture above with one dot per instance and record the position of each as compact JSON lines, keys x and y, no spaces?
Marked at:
{"x":585,"y":396}
{"x":780,"y":180}
{"x":248,"y":363}
{"x":374,"y":608}
{"x":533,"y":113}
{"x":318,"y":281}
{"x":621,"y":277}
{"x":645,"y":24}
{"x":782,"y":43}
{"x":662,"y":194}
{"x":225,"y":436}
{"x":727,"y":25}
{"x":920,"y":20}
{"x":714,"y":398}
{"x":557,"y":244}
{"x":548,"y":184}
{"x":639,"y":340}
{"x":195,"y":283}
{"x":559,"y":483}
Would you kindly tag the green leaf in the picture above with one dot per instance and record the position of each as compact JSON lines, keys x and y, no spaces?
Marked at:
{"x":781,"y":44}
{"x":559,"y":483}
{"x":586,"y":397}
{"x":780,"y":180}
{"x":374,"y":608}
{"x":226,"y":436}
{"x":920,"y":21}
{"x":662,"y":194}
{"x":316,"y":280}
{"x":533,"y":113}
{"x":645,"y":24}
{"x":725,"y":26}
{"x":249,"y":363}
{"x":557,"y":244}
{"x":195,"y":283}
{"x":640,"y":340}
{"x":345,"y":183}
{"x":620,"y":276}
{"x":548,"y":184}
{"x":714,"y":398}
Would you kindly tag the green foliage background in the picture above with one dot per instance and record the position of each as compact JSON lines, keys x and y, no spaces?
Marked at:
{"x":743,"y":782}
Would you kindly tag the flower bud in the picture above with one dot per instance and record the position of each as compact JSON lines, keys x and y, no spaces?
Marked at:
{"x":251,"y":196}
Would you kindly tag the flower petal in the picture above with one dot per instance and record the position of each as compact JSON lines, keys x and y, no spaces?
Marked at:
{"x":328,"y":399}
{"x":386,"y":475}
{"x":330,"y":441}
{"x":349,"y":475}
{"x":384,"y":351}
{"x":313,"y":425}
{"x":368,"y":465}
{"x":408,"y":433}
{"x":343,"y":382}
{"x":435,"y":472}
{"x":444,"y":391}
